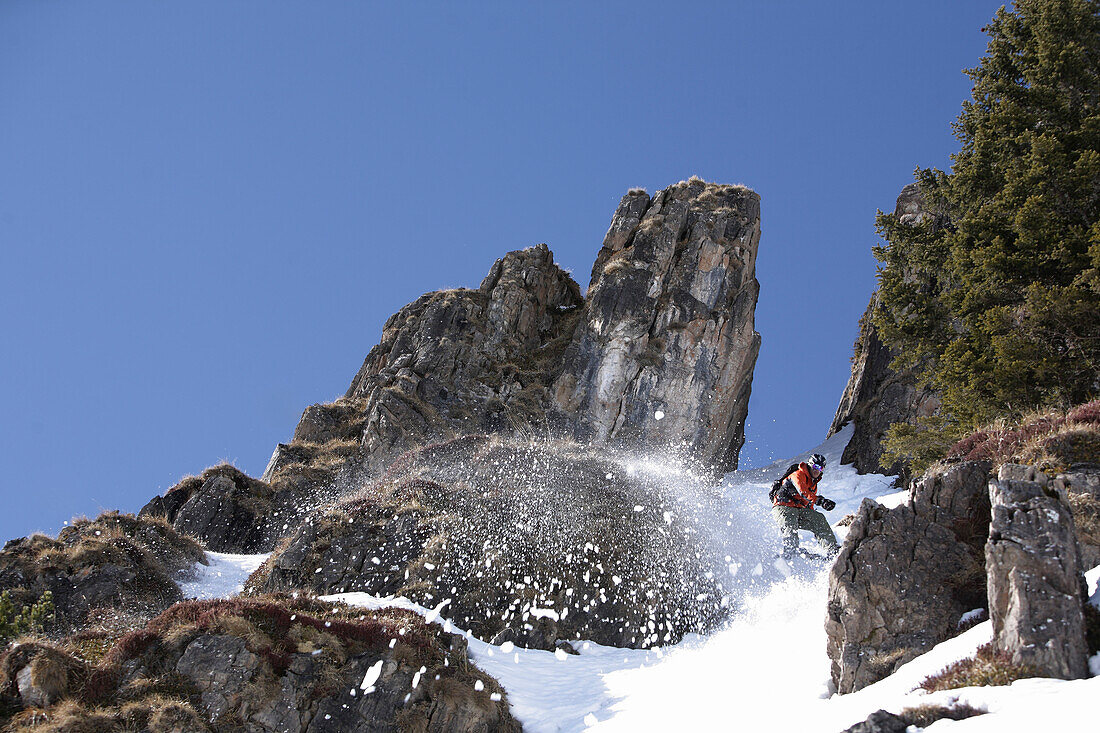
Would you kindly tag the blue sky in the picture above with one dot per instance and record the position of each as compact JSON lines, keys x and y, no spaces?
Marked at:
{"x":208,"y":209}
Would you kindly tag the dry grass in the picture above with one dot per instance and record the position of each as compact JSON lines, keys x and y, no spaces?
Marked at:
{"x":155,"y":714}
{"x":147,"y":547}
{"x":986,"y":668}
{"x":1050,"y":439}
{"x":1086,"y":517}
{"x":884,"y":663}
{"x":923,"y":716}
{"x":617,"y":263}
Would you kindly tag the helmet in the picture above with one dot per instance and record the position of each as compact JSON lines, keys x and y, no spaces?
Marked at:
{"x":817,"y":460}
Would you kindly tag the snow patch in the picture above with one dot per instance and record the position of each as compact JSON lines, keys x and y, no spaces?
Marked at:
{"x":223,"y":577}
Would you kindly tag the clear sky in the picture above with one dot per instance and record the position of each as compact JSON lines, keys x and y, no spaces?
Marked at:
{"x":208,"y":209}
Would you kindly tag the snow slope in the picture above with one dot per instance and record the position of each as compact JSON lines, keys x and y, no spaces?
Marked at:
{"x":765,"y":670}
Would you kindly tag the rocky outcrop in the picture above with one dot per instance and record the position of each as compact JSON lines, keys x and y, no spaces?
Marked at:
{"x":463,"y":361}
{"x":905,"y":576}
{"x":117,"y":565}
{"x":269,"y":664}
{"x":659,"y":356}
{"x":224,"y":509}
{"x":665,"y":351}
{"x":547,"y":542}
{"x":877,"y":395}
{"x":1036,"y":586}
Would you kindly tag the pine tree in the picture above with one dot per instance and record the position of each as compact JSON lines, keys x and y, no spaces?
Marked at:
{"x":997,"y":301}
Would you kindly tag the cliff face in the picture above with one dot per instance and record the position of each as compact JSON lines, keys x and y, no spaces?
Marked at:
{"x":877,"y":395}
{"x":463,"y":361}
{"x":658,"y":357}
{"x":664,"y":354}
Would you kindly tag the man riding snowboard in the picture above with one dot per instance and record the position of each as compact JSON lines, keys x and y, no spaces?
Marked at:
{"x":793,"y":507}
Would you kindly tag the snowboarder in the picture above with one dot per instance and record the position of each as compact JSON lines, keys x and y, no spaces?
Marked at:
{"x":793,"y":506}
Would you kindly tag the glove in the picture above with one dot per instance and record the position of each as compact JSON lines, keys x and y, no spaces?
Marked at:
{"x":826,"y":504}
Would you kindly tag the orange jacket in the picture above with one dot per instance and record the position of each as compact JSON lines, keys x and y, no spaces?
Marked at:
{"x":804,"y":482}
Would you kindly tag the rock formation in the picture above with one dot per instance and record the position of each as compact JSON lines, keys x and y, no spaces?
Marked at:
{"x":269,"y":664}
{"x":546,"y":543}
{"x":877,"y":395}
{"x":100,"y":572}
{"x":462,"y":361}
{"x":223,"y":508}
{"x":1036,"y":587}
{"x":659,"y":356}
{"x":665,"y":351}
{"x":905,"y":576}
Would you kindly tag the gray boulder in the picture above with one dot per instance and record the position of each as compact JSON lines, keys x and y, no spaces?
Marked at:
{"x":905,"y":576}
{"x":460,"y":361}
{"x":880,"y":721}
{"x":1036,"y":587}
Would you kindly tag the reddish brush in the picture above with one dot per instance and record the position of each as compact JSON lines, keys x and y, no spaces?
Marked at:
{"x":1088,"y":413}
{"x":1006,"y":444}
{"x":130,"y":646}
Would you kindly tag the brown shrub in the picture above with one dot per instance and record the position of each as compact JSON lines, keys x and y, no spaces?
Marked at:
{"x":156,"y":714}
{"x":923,"y":716}
{"x":988,"y":667}
{"x":1052,"y":439}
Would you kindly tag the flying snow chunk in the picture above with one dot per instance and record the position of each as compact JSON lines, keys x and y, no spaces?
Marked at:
{"x":495,"y":697}
{"x":507,"y":647}
{"x":479,"y":685}
{"x":639,"y":508}
{"x":659,"y":415}
{"x":561,"y":655}
{"x":590,"y":720}
{"x":433,"y":615}
{"x":371,"y":677}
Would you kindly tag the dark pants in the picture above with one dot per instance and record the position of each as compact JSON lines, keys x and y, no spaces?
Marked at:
{"x":791,"y":519}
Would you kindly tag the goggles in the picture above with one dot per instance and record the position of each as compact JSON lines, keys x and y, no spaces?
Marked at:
{"x":816,"y":467}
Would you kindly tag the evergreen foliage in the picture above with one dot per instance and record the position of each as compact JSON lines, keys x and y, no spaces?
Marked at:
{"x":994,"y":298}
{"x":28,"y":620}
